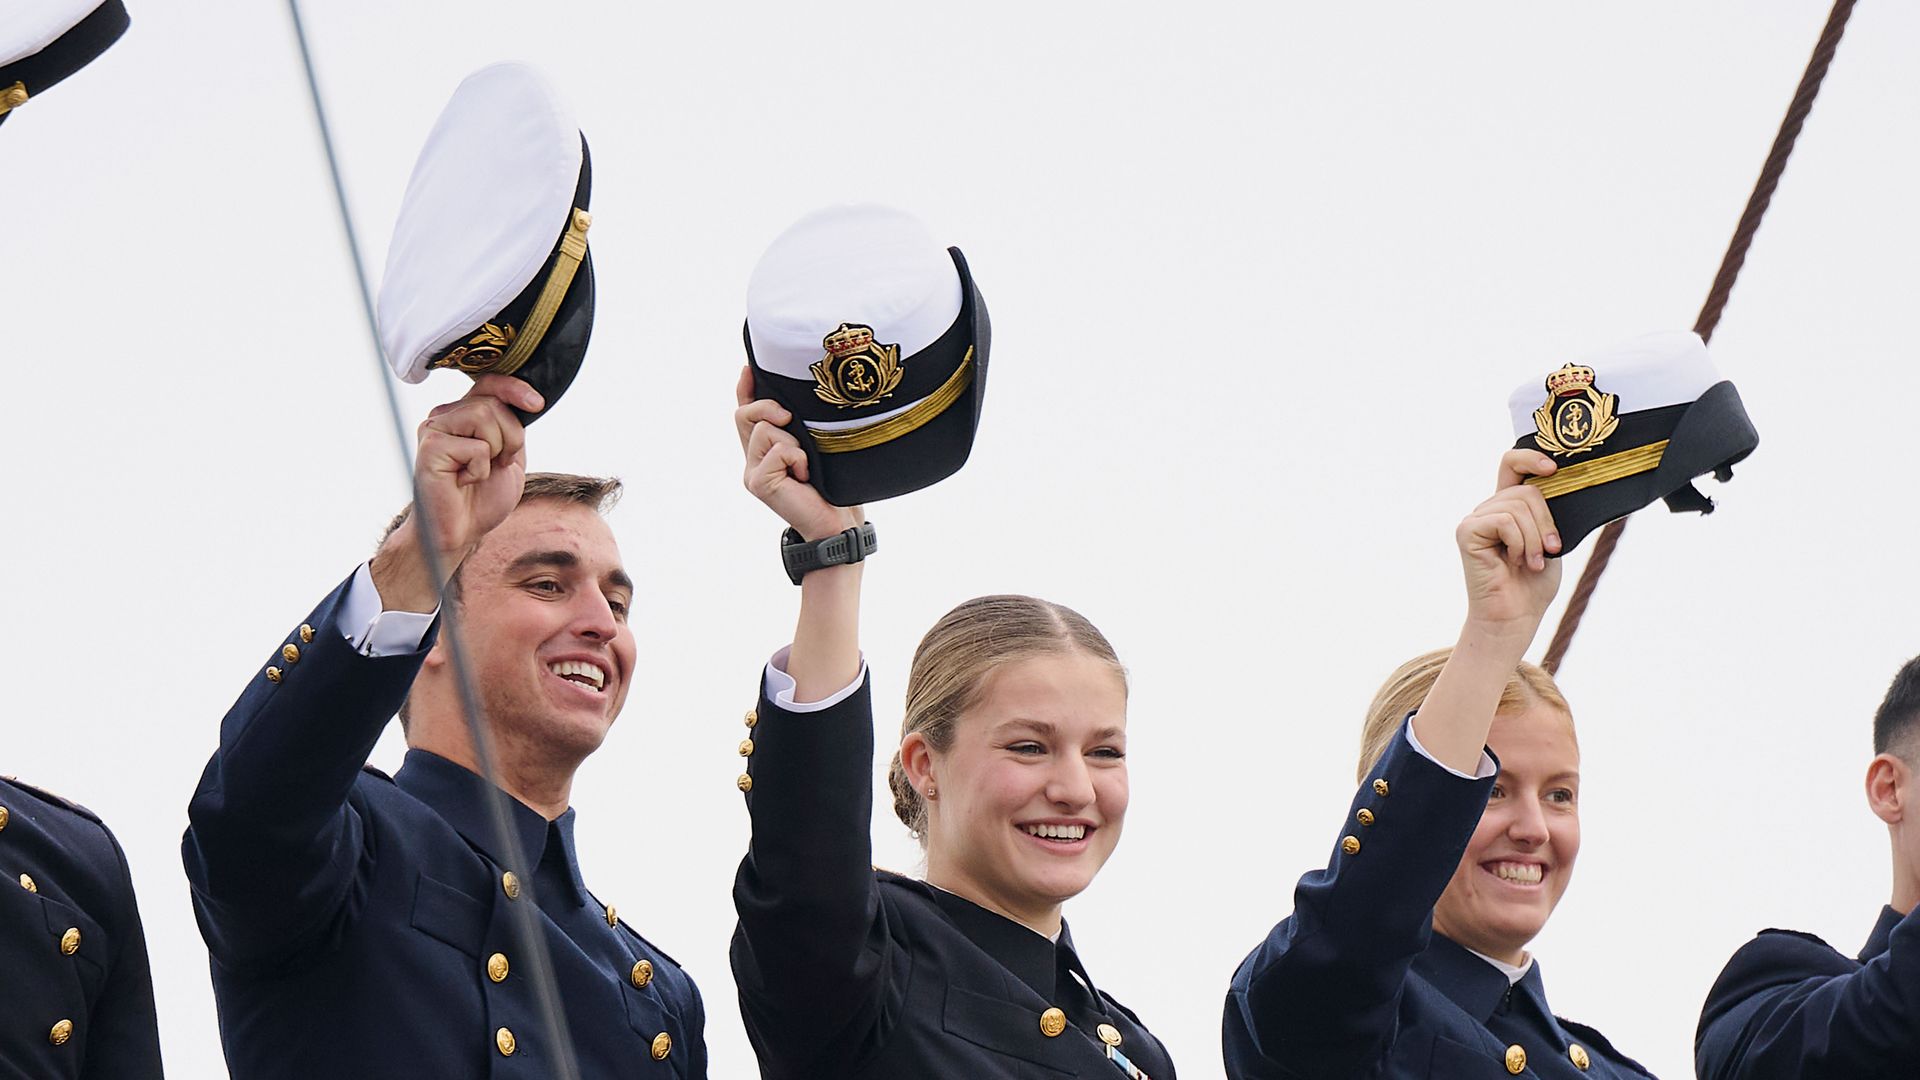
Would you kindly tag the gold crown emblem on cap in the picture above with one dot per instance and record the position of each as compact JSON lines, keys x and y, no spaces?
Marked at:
{"x":849,"y":338}
{"x":1576,"y":417}
{"x":856,"y":370}
{"x":1569,"y":380}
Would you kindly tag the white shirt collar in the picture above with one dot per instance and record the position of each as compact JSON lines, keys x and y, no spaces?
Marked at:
{"x":1513,"y":974}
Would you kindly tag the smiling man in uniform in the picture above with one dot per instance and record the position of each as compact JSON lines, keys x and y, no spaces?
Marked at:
{"x":364,"y":926}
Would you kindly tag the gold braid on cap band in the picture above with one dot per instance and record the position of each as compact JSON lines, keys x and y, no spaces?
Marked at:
{"x":1601,"y":470}
{"x":916,"y":416}
{"x":13,"y":97}
{"x":482,"y":354}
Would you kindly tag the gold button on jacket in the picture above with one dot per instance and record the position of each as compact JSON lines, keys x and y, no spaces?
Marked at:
{"x":752,"y":717}
{"x":504,"y":1040}
{"x":3,"y":817}
{"x":1350,"y":845}
{"x":662,"y":1046}
{"x":1578,"y":1055}
{"x":746,"y":747}
{"x":745,"y":783}
{"x":510,"y":884}
{"x":1364,"y":817}
{"x":497,"y":967}
{"x":26,"y":882}
{"x":1516,"y":1059}
{"x":1109,"y":1034}
{"x":613,"y":917}
{"x":642,"y":974}
{"x":1380,"y":788}
{"x":290,"y":653}
{"x":1052,"y":1023}
{"x":61,"y":1032}
{"x":70,"y":941}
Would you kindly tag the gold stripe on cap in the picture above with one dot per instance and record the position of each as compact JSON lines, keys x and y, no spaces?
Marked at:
{"x":1601,"y":470}
{"x":916,"y":417}
{"x":13,"y":97}
{"x":573,"y":248}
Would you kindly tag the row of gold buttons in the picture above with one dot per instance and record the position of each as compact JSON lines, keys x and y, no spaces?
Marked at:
{"x":745,"y":783}
{"x":1053,"y":1022}
{"x":1351,"y":843}
{"x":1517,"y":1058}
{"x":290,"y":653}
{"x":504,"y":1041}
{"x":69,"y":943}
{"x":498,"y":967}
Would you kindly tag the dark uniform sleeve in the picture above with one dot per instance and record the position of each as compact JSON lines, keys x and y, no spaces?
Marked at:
{"x":272,"y":845}
{"x":812,"y":956}
{"x":1788,"y":1005}
{"x":125,"y":1039}
{"x":1320,"y":997}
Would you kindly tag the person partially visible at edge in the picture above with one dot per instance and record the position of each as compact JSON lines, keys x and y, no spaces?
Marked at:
{"x":1789,"y":1004}
{"x":76,"y":999}
{"x":365,"y":926}
{"x":1012,"y":772}
{"x":1406,"y":955}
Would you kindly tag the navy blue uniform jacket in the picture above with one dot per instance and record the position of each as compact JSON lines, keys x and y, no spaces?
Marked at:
{"x":355,"y":921}
{"x":1355,"y":983}
{"x":76,"y":994}
{"x":848,"y":973}
{"x":1790,"y":1005}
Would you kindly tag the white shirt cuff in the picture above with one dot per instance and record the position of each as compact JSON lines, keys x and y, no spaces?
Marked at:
{"x":373,"y":632}
{"x":1486,"y":760}
{"x":780,"y":686}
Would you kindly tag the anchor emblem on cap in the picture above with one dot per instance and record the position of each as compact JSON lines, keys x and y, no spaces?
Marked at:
{"x":856,"y":370}
{"x":1576,"y":416}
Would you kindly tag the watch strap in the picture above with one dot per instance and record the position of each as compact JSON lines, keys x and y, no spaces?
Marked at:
{"x":801,"y":556}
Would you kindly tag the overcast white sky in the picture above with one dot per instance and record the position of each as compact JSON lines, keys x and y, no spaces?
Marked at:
{"x":1262,"y":277}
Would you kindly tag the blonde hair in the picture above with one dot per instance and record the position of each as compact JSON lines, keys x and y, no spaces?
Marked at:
{"x":958,"y":655}
{"x":1408,"y":686}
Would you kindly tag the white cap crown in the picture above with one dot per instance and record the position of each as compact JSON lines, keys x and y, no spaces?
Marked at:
{"x":490,"y":195}
{"x":1648,"y":372}
{"x":869,"y":265}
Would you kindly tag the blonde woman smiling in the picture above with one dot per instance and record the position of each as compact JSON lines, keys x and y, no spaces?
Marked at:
{"x":1012,"y":772}
{"x":1406,"y":957}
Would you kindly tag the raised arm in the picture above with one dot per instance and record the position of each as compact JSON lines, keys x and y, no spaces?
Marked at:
{"x":273,"y":843}
{"x":812,"y":956}
{"x":1321,"y":996}
{"x":1504,"y":546}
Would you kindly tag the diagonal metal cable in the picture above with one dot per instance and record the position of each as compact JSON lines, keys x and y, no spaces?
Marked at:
{"x":526,"y":925}
{"x":1717,"y":297}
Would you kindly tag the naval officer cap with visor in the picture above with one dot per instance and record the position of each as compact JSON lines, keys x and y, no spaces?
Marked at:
{"x":44,"y":41}
{"x":875,"y":338}
{"x":1638,"y":422}
{"x":488,"y":271}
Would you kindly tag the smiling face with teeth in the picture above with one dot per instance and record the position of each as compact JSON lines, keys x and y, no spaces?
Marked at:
{"x":543,"y":607}
{"x":1032,"y":792}
{"x":1521,"y":857}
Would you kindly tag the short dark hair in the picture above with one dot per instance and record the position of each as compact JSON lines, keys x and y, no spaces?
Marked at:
{"x":1900,"y":712}
{"x":599,"y":492}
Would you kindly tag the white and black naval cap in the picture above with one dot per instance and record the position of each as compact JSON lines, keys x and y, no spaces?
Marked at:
{"x":875,"y":338}
{"x":489,"y":270}
{"x":1629,"y":425}
{"x":44,"y":41}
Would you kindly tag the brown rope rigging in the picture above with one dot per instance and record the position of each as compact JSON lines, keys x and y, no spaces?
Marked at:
{"x":1730,"y":265}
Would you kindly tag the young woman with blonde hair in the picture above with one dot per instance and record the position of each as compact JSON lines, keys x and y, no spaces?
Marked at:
{"x":1012,"y":772}
{"x":1406,"y":956}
